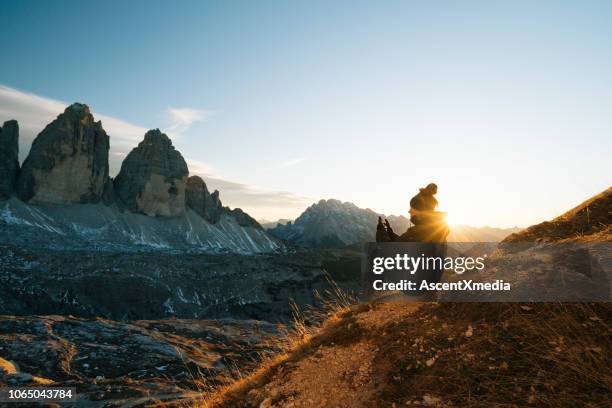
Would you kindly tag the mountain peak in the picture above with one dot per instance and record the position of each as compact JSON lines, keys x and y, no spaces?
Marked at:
{"x":79,"y":112}
{"x":78,"y":107}
{"x":153,"y":177}
{"x":156,"y":136}
{"x":68,"y":160}
{"x":330,"y":223}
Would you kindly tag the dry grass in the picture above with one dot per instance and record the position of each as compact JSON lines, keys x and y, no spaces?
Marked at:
{"x":310,"y":328}
{"x":493,"y":355}
{"x":591,"y":220}
{"x":460,"y":355}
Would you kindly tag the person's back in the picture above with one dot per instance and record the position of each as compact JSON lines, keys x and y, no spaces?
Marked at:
{"x":429,"y":224}
{"x":423,"y":204}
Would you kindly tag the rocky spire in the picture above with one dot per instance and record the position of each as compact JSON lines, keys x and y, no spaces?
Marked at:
{"x":209,"y":206}
{"x":199,"y":199}
{"x":9,"y":160}
{"x":153,"y":177}
{"x":68,"y":161}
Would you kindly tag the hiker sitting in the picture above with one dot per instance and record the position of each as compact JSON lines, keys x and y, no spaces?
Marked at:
{"x":429,"y":224}
{"x":424,"y":204}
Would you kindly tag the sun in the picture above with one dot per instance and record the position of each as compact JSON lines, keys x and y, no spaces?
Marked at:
{"x":452,"y":218}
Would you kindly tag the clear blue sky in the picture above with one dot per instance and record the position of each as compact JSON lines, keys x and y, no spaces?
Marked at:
{"x":507,"y":105}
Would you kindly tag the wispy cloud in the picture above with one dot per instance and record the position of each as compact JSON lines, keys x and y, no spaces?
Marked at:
{"x":181,"y":119}
{"x":258,"y":202}
{"x":34,"y":112}
{"x":291,"y":162}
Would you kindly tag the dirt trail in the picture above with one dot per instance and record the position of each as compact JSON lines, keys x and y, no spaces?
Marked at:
{"x":398,"y":354}
{"x":339,"y":371}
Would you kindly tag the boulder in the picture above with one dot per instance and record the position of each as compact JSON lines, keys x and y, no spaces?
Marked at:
{"x":9,"y":160}
{"x":199,"y":199}
{"x":68,"y":161}
{"x":152,"y":178}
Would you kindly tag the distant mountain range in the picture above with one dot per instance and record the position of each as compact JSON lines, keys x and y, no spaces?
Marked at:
{"x":62,"y":195}
{"x":329,"y":224}
{"x":335,"y":224}
{"x":267,"y":224}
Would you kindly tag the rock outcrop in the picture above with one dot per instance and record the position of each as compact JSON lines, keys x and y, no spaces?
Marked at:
{"x":200,"y":200}
{"x":153,"y":177}
{"x":68,"y":161}
{"x":127,"y":364}
{"x":9,"y":160}
{"x":209,"y":206}
{"x":243,"y":218}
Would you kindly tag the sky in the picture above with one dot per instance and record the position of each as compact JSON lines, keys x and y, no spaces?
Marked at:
{"x":505,"y":105}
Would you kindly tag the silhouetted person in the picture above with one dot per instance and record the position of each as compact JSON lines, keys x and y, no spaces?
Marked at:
{"x":429,"y":234}
{"x":424,"y":204}
{"x":429,"y":224}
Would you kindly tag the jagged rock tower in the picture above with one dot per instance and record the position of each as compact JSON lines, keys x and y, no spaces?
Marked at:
{"x":209,"y":206}
{"x":68,"y":161}
{"x":153,"y":177}
{"x":9,"y":160}
{"x":199,"y":199}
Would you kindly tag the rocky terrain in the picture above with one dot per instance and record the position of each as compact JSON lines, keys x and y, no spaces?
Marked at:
{"x":107,"y":227}
{"x":335,"y":224}
{"x":74,"y":318}
{"x":123,"y":285}
{"x":132,"y":328}
{"x":129,"y":364}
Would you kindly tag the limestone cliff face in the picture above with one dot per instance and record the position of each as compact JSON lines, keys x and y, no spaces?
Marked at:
{"x":68,"y":161}
{"x":153,"y":177}
{"x":9,"y":161}
{"x":199,"y":199}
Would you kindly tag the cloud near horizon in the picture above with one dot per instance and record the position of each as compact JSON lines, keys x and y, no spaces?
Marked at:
{"x":34,"y":112}
{"x":181,"y":119}
{"x":290,"y":162}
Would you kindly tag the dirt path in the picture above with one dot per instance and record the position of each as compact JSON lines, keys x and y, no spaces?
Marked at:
{"x":337,"y":373}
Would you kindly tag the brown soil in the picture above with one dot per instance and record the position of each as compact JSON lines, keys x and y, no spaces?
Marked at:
{"x":479,"y":355}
